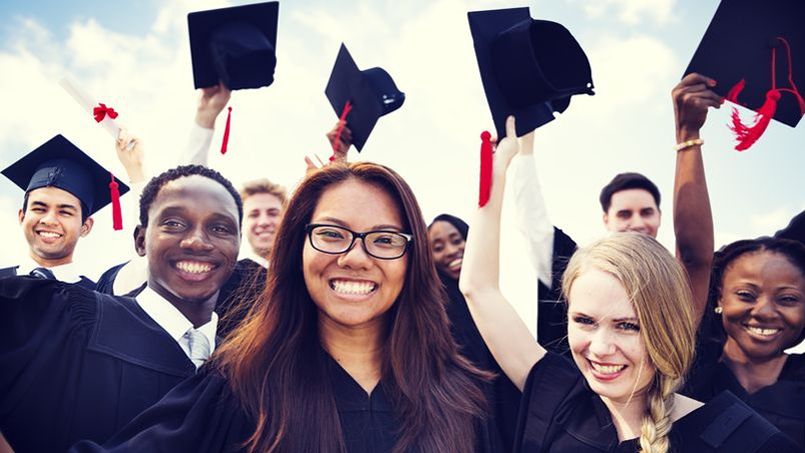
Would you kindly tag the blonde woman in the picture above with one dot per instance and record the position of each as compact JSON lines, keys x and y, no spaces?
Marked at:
{"x":631,"y":334}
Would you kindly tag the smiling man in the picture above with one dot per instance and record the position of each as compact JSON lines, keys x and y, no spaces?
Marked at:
{"x":63,"y":188}
{"x":77,"y":364}
{"x":263,"y":205}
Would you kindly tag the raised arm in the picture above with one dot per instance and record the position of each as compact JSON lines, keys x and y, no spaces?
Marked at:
{"x":502,"y":329}
{"x":530,"y":213}
{"x":693,"y":219}
{"x":210,"y":104}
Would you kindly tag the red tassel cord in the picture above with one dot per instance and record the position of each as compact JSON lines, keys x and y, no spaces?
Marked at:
{"x":485,"y":180}
{"x":747,"y":135}
{"x":117,"y":213}
{"x":102,"y":111}
{"x":342,"y":122}
{"x":225,"y":141}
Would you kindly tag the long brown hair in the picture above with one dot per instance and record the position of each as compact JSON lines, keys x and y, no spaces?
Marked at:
{"x":274,"y":362}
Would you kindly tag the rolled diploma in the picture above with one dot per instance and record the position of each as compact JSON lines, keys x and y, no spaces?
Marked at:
{"x":88,"y":103}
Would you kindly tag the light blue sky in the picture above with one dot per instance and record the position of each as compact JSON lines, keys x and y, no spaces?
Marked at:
{"x":134,"y":55}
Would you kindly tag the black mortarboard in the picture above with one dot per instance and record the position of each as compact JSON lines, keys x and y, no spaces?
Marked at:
{"x":236,"y":45}
{"x":739,"y":45}
{"x":58,"y":163}
{"x":529,"y":67}
{"x":371,"y":94}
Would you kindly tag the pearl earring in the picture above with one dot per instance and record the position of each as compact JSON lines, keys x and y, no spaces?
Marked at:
{"x":718,"y":310}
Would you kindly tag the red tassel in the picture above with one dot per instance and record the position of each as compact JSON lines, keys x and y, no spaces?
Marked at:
{"x":485,"y":188}
{"x":748,"y":135}
{"x":117,"y":213}
{"x":225,"y":142}
{"x":732,"y":94}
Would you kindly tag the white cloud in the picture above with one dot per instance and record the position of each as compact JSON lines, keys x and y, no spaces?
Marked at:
{"x":630,"y":12}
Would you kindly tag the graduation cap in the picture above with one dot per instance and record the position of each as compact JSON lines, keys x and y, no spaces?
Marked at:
{"x":756,"y":53}
{"x":529,"y":68}
{"x":236,"y":45}
{"x":58,"y":163}
{"x":361,"y":97}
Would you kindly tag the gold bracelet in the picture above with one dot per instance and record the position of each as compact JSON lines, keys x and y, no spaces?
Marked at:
{"x":688,"y":144}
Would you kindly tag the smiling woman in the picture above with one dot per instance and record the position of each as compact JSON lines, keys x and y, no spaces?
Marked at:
{"x":757,"y":312}
{"x":347,"y":350}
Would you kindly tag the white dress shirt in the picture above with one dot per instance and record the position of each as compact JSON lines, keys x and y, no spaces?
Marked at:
{"x":532,"y":216}
{"x":173,"y":321}
{"x":67,"y":273}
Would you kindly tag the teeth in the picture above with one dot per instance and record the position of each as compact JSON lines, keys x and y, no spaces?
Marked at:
{"x":455,"y":263}
{"x":193,"y":267}
{"x":349,"y":287}
{"x":48,"y":234}
{"x":607,"y":369}
{"x":764,"y":332}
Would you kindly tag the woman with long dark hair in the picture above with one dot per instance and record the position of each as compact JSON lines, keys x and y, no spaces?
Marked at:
{"x":757,"y":302}
{"x":347,"y":350}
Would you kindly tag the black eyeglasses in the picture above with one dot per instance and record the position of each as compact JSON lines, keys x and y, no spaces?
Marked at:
{"x":335,"y":240}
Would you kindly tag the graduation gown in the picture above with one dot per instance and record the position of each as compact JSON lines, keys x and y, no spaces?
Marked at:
{"x":502,"y":394}
{"x":76,"y":364}
{"x":203,"y":415}
{"x":782,"y":403}
{"x":551,"y":309}
{"x":559,"y":413}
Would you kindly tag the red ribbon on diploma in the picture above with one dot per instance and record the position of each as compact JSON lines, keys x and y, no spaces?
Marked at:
{"x":101,"y":111}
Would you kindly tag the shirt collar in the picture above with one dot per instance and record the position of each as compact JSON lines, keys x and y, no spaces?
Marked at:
{"x":171,"y":319}
{"x":256,"y":258}
{"x":67,"y":273}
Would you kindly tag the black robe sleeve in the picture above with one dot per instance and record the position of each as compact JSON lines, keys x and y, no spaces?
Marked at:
{"x":551,"y":310}
{"x":199,"y":415}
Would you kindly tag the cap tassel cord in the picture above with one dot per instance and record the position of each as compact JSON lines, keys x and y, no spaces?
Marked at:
{"x":342,"y":121}
{"x":117,"y":213}
{"x":225,"y":141}
{"x":102,"y":111}
{"x":485,"y":180}
{"x":748,"y":135}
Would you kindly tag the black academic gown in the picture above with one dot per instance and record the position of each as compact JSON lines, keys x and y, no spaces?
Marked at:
{"x":502,"y":394}
{"x":247,"y":281}
{"x":551,"y":309}
{"x":202,"y":415}
{"x":77,"y":364}
{"x":782,"y":403}
{"x":559,"y":413}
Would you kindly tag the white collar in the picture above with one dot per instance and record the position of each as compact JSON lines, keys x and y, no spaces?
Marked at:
{"x":67,"y":273}
{"x":256,"y":258}
{"x":172,"y":320}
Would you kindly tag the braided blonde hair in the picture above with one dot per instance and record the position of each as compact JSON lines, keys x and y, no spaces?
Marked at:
{"x":660,"y":294}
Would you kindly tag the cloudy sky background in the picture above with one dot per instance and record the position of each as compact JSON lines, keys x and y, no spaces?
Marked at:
{"x":134,"y":56}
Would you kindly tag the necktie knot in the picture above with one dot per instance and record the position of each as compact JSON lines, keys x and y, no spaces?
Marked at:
{"x":41,"y":272}
{"x":198,"y":346}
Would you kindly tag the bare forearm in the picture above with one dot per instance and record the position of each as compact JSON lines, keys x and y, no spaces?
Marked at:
{"x":693,"y":218}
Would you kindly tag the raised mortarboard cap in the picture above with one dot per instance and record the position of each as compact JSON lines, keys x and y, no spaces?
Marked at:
{"x":751,"y":41}
{"x":529,"y":68}
{"x":371,"y":94}
{"x":236,"y":46}
{"x":58,"y":163}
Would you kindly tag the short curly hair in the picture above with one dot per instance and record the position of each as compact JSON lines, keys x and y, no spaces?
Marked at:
{"x":153,"y":187}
